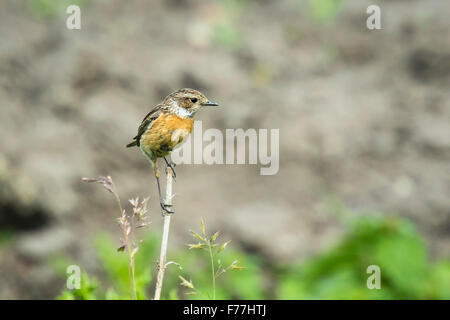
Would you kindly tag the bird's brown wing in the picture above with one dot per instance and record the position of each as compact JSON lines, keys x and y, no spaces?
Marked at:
{"x":148,"y":119}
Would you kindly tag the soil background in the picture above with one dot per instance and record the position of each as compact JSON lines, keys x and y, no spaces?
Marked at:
{"x":363,"y":117}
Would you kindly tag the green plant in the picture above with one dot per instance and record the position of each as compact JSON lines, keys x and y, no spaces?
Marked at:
{"x":217,"y":267}
{"x":130,"y":271}
{"x":226,"y":31}
{"x":6,"y":237}
{"x":88,"y":290}
{"x":325,"y":10}
{"x":390,"y":243}
{"x":115,"y":267}
{"x":339,"y":273}
{"x":51,"y":8}
{"x":128,"y":223}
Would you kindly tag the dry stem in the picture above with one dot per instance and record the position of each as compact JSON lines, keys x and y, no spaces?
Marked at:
{"x":165,"y":237}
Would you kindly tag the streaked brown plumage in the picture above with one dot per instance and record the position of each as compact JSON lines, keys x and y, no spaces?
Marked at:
{"x":167,"y":125}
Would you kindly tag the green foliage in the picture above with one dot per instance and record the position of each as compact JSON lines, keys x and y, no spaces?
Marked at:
{"x":6,"y":237}
{"x":227,"y":36}
{"x":392,"y":244}
{"x":245,"y":282}
{"x":116,"y":266}
{"x":51,"y":8}
{"x":215,"y":251}
{"x":320,"y":10}
{"x":439,"y":285}
{"x":340,"y":273}
{"x":226,"y":32}
{"x":88,"y":290}
{"x":325,"y":10}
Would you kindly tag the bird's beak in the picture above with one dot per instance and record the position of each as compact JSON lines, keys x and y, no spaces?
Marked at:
{"x":210,"y":104}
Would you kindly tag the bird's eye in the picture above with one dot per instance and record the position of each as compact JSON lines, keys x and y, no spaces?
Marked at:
{"x":194,"y":100}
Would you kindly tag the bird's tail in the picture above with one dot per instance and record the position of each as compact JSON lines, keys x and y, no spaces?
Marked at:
{"x":132,"y":144}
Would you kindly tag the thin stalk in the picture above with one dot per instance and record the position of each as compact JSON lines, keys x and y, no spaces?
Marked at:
{"x":131,"y":253}
{"x":213,"y":273}
{"x":165,"y":238}
{"x":130,"y":245}
{"x":131,"y":274}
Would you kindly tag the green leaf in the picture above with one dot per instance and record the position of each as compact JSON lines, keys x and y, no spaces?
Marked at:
{"x":403,"y":262}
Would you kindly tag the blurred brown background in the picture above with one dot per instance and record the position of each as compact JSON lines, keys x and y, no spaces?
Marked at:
{"x":363,"y":117}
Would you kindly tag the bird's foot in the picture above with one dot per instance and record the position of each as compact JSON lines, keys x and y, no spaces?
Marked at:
{"x":165,"y":208}
{"x":171,"y":165}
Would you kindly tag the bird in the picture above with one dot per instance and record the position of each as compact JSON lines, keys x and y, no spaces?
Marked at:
{"x":166,"y":126}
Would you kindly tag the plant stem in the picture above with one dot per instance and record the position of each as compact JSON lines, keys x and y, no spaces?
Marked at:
{"x":212,"y":270}
{"x":133,"y":280}
{"x":132,"y":242}
{"x":165,"y":237}
{"x":131,"y":263}
{"x":130,"y":247}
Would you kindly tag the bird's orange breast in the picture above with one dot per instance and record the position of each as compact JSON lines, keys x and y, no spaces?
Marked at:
{"x":165,"y":133}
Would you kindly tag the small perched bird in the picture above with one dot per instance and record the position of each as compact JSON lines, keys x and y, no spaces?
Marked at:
{"x":166,"y":126}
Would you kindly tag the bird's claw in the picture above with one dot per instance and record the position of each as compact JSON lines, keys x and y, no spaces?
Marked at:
{"x":171,"y":165}
{"x":165,"y":209}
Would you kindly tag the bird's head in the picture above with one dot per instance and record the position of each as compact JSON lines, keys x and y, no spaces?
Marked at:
{"x":186,"y":102}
